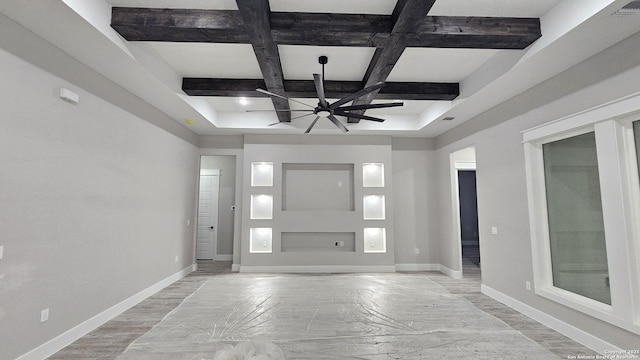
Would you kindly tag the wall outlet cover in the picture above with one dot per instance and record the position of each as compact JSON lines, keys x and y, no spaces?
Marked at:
{"x":44,"y":315}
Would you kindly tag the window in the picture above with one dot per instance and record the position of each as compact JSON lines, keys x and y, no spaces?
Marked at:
{"x":583,"y":185}
{"x":574,"y":210}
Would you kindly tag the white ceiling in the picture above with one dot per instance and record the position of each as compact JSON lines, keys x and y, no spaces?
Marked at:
{"x":153,"y":70}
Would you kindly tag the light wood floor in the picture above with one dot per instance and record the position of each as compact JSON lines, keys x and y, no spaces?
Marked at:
{"x":112,"y":339}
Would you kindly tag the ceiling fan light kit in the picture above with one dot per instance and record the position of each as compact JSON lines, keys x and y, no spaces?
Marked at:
{"x":330,"y":111}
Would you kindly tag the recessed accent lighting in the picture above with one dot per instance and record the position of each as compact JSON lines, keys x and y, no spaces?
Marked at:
{"x":448,"y":118}
{"x":243,"y":101}
{"x":188,"y":121}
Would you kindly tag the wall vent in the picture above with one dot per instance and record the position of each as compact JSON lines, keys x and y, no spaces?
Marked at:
{"x":448,"y":118}
{"x":631,"y":8}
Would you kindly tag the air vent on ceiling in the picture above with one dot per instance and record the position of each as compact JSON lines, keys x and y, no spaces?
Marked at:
{"x":631,"y":8}
{"x":448,"y":118}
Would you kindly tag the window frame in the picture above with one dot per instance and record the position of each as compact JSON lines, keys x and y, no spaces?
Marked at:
{"x":620,"y":191}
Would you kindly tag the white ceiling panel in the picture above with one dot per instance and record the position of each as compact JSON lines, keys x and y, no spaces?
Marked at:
{"x":182,"y":4}
{"x":210,"y":60}
{"x":505,"y":8}
{"x":384,"y":7}
{"x":345,"y":63}
{"x":232,"y":104}
{"x":438,"y":65}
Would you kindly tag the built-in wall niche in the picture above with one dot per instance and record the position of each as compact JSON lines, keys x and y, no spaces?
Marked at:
{"x":373,"y":175}
{"x":261,"y":206}
{"x":318,"y":241}
{"x":260,"y":240}
{"x":262,"y":174}
{"x":375,"y":240}
{"x":317,"y":187}
{"x":373,"y":207}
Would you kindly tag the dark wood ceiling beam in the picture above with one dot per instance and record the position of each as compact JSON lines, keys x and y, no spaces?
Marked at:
{"x":179,"y":25}
{"x":407,"y":17}
{"x":306,"y":89}
{"x":255,"y":14}
{"x":227,"y":26}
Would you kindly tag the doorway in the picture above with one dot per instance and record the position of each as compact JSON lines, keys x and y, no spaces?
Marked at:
{"x":466,"y":214}
{"x":216,"y":211}
{"x":467,"y":193}
{"x":207,"y":233}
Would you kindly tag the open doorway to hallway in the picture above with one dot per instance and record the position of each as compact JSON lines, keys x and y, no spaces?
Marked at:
{"x":467,"y":210}
{"x":216,"y":213}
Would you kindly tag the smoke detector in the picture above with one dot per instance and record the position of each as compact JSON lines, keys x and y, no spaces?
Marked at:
{"x":631,"y":8}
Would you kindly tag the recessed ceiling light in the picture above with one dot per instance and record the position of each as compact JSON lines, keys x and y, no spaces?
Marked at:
{"x":243,"y":101}
{"x":188,"y":121}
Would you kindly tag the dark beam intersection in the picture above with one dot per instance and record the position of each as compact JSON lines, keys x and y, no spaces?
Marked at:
{"x":255,"y":24}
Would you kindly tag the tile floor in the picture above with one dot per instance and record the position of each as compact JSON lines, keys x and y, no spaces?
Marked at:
{"x":113,"y":338}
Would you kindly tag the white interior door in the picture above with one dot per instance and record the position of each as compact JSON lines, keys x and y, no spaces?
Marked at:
{"x":207,"y":236}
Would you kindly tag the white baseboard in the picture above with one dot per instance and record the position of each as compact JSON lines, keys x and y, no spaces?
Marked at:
{"x":592,"y":342}
{"x":417,"y":267}
{"x":59,"y":342}
{"x":223,"y":257}
{"x":235,"y":267}
{"x":454,"y":274}
{"x":194,"y":267}
{"x":318,"y":269}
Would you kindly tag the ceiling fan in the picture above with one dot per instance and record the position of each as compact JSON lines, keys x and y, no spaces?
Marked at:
{"x":330,"y":111}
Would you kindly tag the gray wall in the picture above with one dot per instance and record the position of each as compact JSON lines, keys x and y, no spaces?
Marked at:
{"x":502,"y":192}
{"x":94,"y":206}
{"x":415,"y":209}
{"x":227,"y":166}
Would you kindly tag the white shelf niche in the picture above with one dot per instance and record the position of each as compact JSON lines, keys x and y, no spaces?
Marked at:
{"x":373,"y":175}
{"x":373,"y":207}
{"x":262,"y":174}
{"x":375,"y":240}
{"x":261,"y":207}
{"x":260,"y":240}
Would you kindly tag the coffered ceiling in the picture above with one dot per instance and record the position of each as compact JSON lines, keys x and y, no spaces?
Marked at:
{"x":195,"y":59}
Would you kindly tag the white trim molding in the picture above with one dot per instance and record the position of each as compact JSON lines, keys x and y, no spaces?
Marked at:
{"x":570,"y":331}
{"x":417,"y":267}
{"x":319,"y":269}
{"x":59,"y":342}
{"x":454,"y":274}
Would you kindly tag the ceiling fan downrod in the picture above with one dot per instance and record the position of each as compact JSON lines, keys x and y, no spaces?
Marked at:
{"x":323,"y":60}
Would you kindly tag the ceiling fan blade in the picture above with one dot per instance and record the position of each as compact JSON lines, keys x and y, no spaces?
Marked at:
{"x":358,"y":116}
{"x":313,"y":123}
{"x":369,"y":106}
{"x":293,"y":118}
{"x":282,"y":97}
{"x":317,"y":79}
{"x":277,"y":110}
{"x":356,"y":95}
{"x":337,"y":123}
{"x":301,"y":116}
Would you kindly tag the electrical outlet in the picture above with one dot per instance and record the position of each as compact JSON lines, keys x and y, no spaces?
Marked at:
{"x":176,"y":258}
{"x":416,"y":251}
{"x":341,"y":243}
{"x":1,"y":252}
{"x":494,"y":230}
{"x":527,"y":284}
{"x":44,"y":315}
{"x":188,"y":222}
